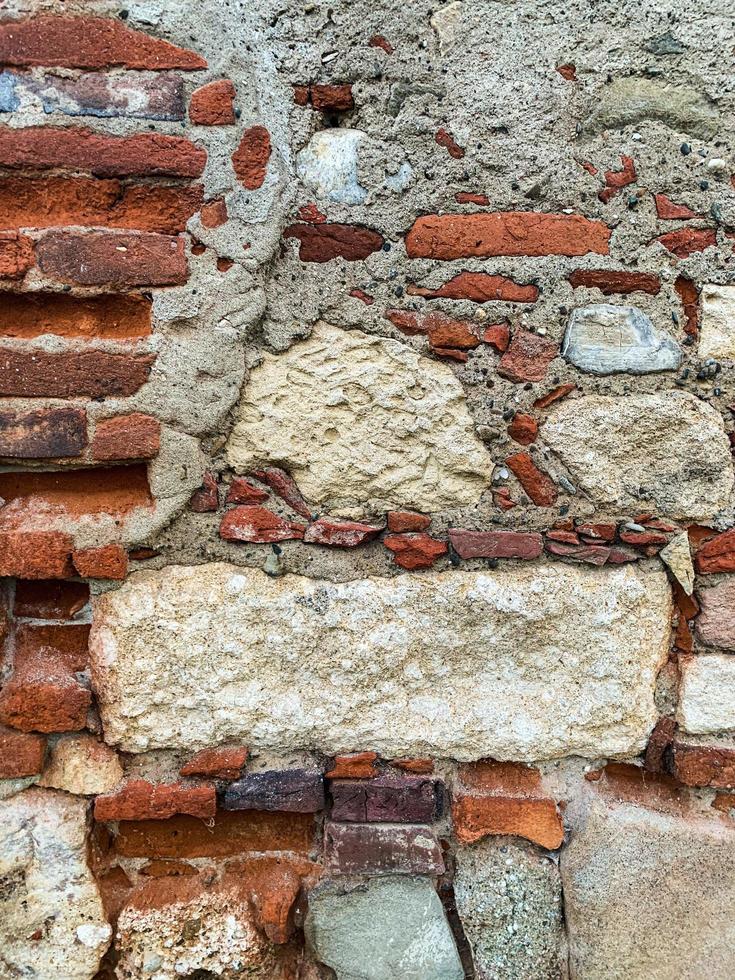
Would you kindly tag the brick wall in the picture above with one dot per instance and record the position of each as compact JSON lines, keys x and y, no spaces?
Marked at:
{"x":366,"y":490}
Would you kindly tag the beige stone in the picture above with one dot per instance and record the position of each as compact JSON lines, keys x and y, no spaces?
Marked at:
{"x":52,"y":924}
{"x":361,"y":422}
{"x":677,"y":555}
{"x":707,"y":696}
{"x":524,"y":662}
{"x":81,"y":764}
{"x":648,"y":895}
{"x":667,"y":450}
{"x":717,"y":336}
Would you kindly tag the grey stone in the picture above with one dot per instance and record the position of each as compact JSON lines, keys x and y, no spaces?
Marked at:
{"x":630,"y":101}
{"x":382,"y":929}
{"x":509,"y":900}
{"x":606,"y":339}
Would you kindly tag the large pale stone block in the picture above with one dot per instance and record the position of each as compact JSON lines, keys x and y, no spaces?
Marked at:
{"x":361,"y":420}
{"x":518,"y":663}
{"x":707,"y":696}
{"x":649,"y":895}
{"x":717,"y":336}
{"x":51,"y":919}
{"x":668,"y":448}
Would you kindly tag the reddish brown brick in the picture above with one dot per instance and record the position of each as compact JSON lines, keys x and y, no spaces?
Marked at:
{"x":326,"y":241}
{"x":212,"y":104}
{"x":87,"y":373}
{"x":35,"y":554}
{"x":400,"y":521}
{"x":445,"y":139}
{"x":46,"y":433}
{"x":108,"y":561}
{"x":496,"y":544}
{"x":284,"y":486}
{"x":412,"y":551}
{"x":611,"y":282}
{"x":555,"y":395}
{"x":688,"y":294}
{"x":16,"y":255}
{"x":258,"y":524}
{"x":717,"y":554}
{"x":527,"y":358}
{"x":135,"y":436}
{"x":358,"y":765}
{"x":443,"y":331}
{"x":665,"y":208}
{"x":378,"y":41}
{"x":242,"y":491}
{"x":331,"y":98}
{"x":139,"y":799}
{"x":476,"y":817}
{"x":523,"y":429}
{"x":20,"y":754}
{"x":222,"y":762}
{"x":340,"y":533}
{"x":214,"y":213}
{"x":73,"y":493}
{"x":206,"y":499}
{"x":29,"y":315}
{"x":479,"y":287}
{"x":353,"y":848}
{"x":703,"y":765}
{"x":113,"y":258}
{"x":539,"y":487}
{"x":616,"y":180}
{"x":50,"y":599}
{"x":469,"y":197}
{"x":685,"y":241}
{"x":250,"y":159}
{"x":388,"y":798}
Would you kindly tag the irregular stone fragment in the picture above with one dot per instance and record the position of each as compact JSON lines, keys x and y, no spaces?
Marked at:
{"x":649,"y":894}
{"x":554,"y":660}
{"x":52,"y":922}
{"x":629,"y":101}
{"x":295,"y":790}
{"x":678,"y":557}
{"x":707,"y":694}
{"x":80,"y":764}
{"x":381,"y":929}
{"x":717,"y":337}
{"x":370,"y":422}
{"x":668,"y":448}
{"x":605,"y":339}
{"x":328,"y":165}
{"x":509,"y":900}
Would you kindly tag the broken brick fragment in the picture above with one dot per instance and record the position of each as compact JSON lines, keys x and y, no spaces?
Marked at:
{"x":669,"y":211}
{"x":496,"y":544}
{"x":413,"y":551}
{"x":358,"y":765}
{"x":400,"y":521}
{"x":139,"y":799}
{"x":539,"y":487}
{"x":527,"y":358}
{"x":222,"y":762}
{"x":523,"y":429}
{"x":330,"y":240}
{"x":242,"y":491}
{"x":445,"y":139}
{"x":340,"y":533}
{"x":205,"y":499}
{"x":108,"y":561}
{"x":211,"y":105}
{"x":250,"y":159}
{"x":255,"y":524}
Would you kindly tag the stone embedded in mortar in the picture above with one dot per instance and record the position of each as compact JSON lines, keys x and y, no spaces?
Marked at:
{"x":606,"y":339}
{"x":715,"y":624}
{"x":328,"y":165}
{"x":361,"y":421}
{"x":717,"y":336}
{"x":528,"y":662}
{"x":648,"y":894}
{"x":52,"y":922}
{"x":677,"y":555}
{"x":667,"y":448}
{"x":380,"y":929}
{"x":631,"y":100}
{"x":79,"y":763}
{"x":707,"y":694}
{"x":509,"y":899}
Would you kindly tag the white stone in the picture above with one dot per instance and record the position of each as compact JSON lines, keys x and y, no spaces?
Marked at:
{"x":717,"y":333}
{"x":328,"y":165}
{"x":707,"y":695}
{"x":79,"y":763}
{"x":525,"y":662}
{"x":49,"y":890}
{"x":605,"y":339}
{"x":677,"y":555}
{"x":667,"y":450}
{"x":361,"y":421}
{"x":445,"y":22}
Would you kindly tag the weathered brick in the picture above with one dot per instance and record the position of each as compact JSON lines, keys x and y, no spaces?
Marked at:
{"x":400,"y":521}
{"x":80,"y":149}
{"x":716,"y":623}
{"x":46,"y":433}
{"x":688,"y":294}
{"x":107,"y":561}
{"x":323,"y":242}
{"x":331,"y":98}
{"x":90,"y":373}
{"x":413,"y":551}
{"x":73,"y":493}
{"x":211,"y":105}
{"x":29,"y":315}
{"x":48,"y":40}
{"x":616,"y":180}
{"x":353,"y":848}
{"x":387,"y":799}
{"x":49,"y":600}
{"x":496,"y":544}
{"x":523,"y":429}
{"x":139,"y":799}
{"x":285,"y":487}
{"x":527,"y":358}
{"x":539,"y":487}
{"x":479,"y":287}
{"x":35,"y":554}
{"x":358,"y":765}
{"x":16,"y":255}
{"x":135,"y":436}
{"x":442,"y":330}
{"x":703,"y":765}
{"x":555,"y":395}
{"x":222,"y":762}
{"x":258,"y":524}
{"x":470,"y":197}
{"x":685,"y":241}
{"x":115,"y":259}
{"x":445,"y":139}
{"x":418,"y":766}
{"x":205,"y":500}
{"x":667,"y":209}
{"x":250,"y":159}
{"x":214,"y":213}
{"x":242,"y":491}
{"x":293,"y":790}
{"x":717,"y":554}
{"x":615,"y":281}
{"x":340,"y":533}
{"x":21,"y":754}
{"x":459,"y":236}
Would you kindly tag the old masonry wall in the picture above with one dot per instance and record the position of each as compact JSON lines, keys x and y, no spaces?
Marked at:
{"x":366,"y":490}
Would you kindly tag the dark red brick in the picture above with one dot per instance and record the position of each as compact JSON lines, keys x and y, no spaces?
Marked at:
{"x":87,"y":373}
{"x":258,"y":524}
{"x":479,"y":287}
{"x":293,"y":790}
{"x":284,"y":486}
{"x":496,"y":544}
{"x":206,"y":498}
{"x":326,"y":241}
{"x":113,"y":258}
{"x":46,"y":433}
{"x":389,"y":798}
{"x":340,"y":533}
{"x":445,"y":139}
{"x":50,"y":599}
{"x":353,"y":848}
{"x":685,"y":241}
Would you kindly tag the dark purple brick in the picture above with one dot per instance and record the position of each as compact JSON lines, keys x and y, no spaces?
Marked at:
{"x":296,"y":790}
{"x":383,"y":848}
{"x":389,"y":798}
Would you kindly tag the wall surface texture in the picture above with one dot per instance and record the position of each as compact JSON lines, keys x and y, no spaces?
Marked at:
{"x":367,"y":529}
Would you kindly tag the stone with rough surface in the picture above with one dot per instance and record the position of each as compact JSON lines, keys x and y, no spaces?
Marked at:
{"x":707,"y":696}
{"x":328,"y":165}
{"x":668,"y":448}
{"x":606,"y":339}
{"x":509,"y":900}
{"x":649,"y":895}
{"x":717,"y":336}
{"x":523,"y":663}
{"x":677,"y":555}
{"x":716,"y":622}
{"x":52,"y":922}
{"x":360,"y":420}
{"x":381,"y":929}
{"x":632,"y":101}
{"x":81,"y":764}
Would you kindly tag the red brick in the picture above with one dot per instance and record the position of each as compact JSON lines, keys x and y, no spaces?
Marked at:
{"x":703,"y":765}
{"x":523,"y":429}
{"x":567,"y":72}
{"x":285,"y":487}
{"x":566,"y":537}
{"x":555,"y":395}
{"x":113,"y":258}
{"x":479,"y":287}
{"x":50,"y":599}
{"x":311,"y":214}
{"x":46,"y":433}
{"x":685,"y":241}
{"x":418,"y":766}
{"x":242,"y":491}
{"x":16,"y":255}
{"x":378,"y":41}
{"x":50,"y":41}
{"x":716,"y":623}
{"x":28,"y":315}
{"x":90,"y":373}
{"x":498,"y":336}
{"x":205,"y":500}
{"x":138,"y":799}
{"x":445,"y":139}
{"x":214,"y":213}
{"x":223,"y":762}
{"x":414,"y":551}
{"x":79,"y":149}
{"x":658,"y":744}
{"x":496,"y":544}
{"x":108,"y":561}
{"x":443,"y":331}
{"x":331,"y":98}
{"x":35,"y":554}
{"x":389,"y":797}
{"x":688,"y":295}
{"x":47,"y":202}
{"x":360,"y":294}
{"x":665,"y":208}
{"x":135,"y":436}
{"x":611,"y":282}
{"x":359,"y":765}
{"x":211,"y":105}
{"x":503,"y":499}
{"x":527,"y":358}
{"x":72,"y":493}
{"x":340,"y":533}
{"x":250,"y":159}
{"x":257,"y":524}
{"x":400,"y":521}
{"x":598,"y":532}
{"x":323,"y":242}
{"x":643,"y":539}
{"x":20,"y":754}
{"x":616,"y":180}
{"x":459,"y":236}
{"x":356,"y":849}
{"x":476,"y":817}
{"x":717,"y":554}
{"x":469,"y":197}
{"x":589,"y":553}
